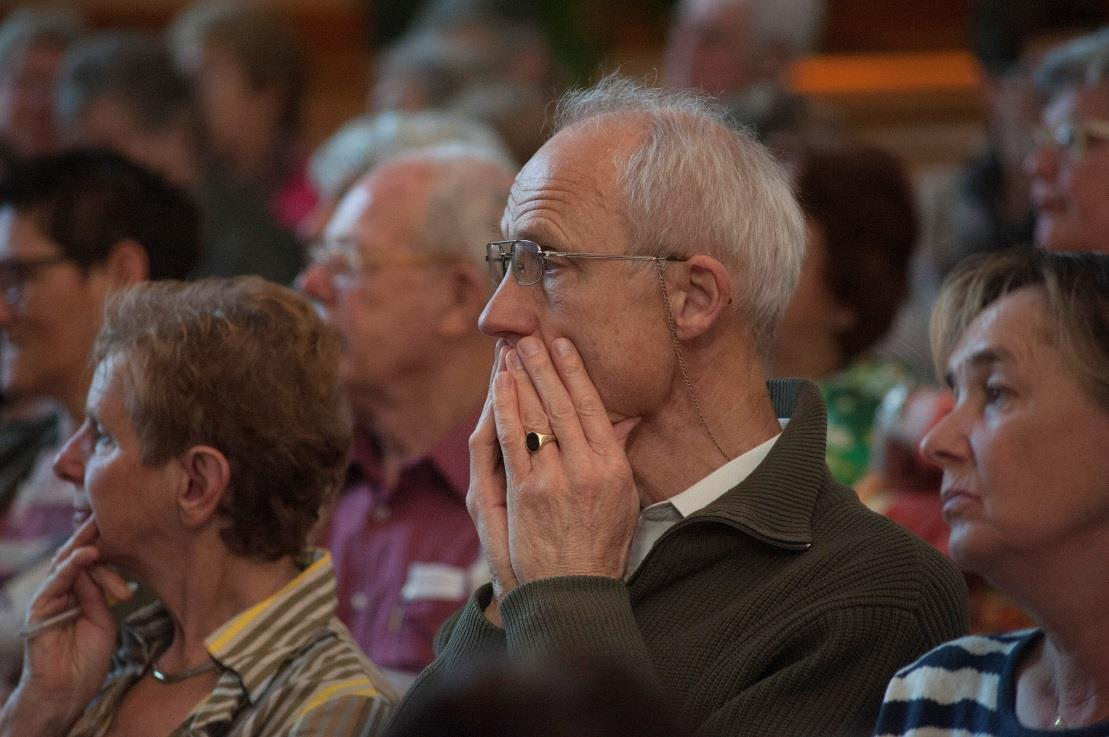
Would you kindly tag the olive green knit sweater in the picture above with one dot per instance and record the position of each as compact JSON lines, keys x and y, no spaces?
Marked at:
{"x":782,"y":608}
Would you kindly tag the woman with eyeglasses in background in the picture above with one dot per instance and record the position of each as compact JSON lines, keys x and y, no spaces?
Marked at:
{"x":1070,"y":165}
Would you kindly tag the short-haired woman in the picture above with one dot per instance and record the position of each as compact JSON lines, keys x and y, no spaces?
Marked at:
{"x":1023,"y":339}
{"x":214,"y":431}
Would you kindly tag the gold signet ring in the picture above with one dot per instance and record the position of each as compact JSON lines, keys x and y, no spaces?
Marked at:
{"x":536,"y":440}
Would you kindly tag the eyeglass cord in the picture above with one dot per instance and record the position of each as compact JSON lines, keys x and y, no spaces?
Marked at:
{"x":681,"y":361}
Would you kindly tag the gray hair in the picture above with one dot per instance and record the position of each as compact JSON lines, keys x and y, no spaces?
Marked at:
{"x":441,"y":66}
{"x":134,"y":70}
{"x":697,"y":185}
{"x":27,"y":27}
{"x":795,"y":24}
{"x":366,"y":141}
{"x":1081,"y":62}
{"x":467,"y":200}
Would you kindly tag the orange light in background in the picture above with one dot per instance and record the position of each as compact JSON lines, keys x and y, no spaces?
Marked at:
{"x":888,"y":72}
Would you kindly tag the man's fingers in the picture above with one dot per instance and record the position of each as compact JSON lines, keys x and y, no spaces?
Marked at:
{"x":589,"y":409}
{"x":623,"y":429}
{"x":483,"y":440}
{"x":532,"y":414}
{"x":556,"y":401}
{"x":510,"y":430}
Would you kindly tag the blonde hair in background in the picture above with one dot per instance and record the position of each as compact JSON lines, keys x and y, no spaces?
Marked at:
{"x":1075,"y":287}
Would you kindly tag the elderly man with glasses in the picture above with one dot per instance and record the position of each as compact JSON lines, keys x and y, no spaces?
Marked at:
{"x":400,"y":275}
{"x":1070,"y":166}
{"x":640,"y":491}
{"x":74,"y":228}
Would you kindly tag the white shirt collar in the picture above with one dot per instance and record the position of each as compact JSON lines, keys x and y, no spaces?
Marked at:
{"x":659,"y":517}
{"x":714,"y":486}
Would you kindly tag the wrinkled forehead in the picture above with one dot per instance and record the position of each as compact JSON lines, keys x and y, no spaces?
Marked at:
{"x":389,"y":200}
{"x":576,"y":174}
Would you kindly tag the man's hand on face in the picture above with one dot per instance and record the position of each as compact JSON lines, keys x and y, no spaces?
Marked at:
{"x":571,"y":507}
{"x":487,"y":501}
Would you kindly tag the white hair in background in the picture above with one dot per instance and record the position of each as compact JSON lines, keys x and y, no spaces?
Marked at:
{"x":366,"y":141}
{"x":467,"y":199}
{"x":1081,"y":62}
{"x":697,"y":185}
{"x":796,"y":25}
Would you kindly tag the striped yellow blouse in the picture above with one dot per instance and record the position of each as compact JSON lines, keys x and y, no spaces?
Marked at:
{"x":289,"y":667}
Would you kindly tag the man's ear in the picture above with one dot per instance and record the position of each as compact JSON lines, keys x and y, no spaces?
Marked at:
{"x":207,"y":474}
{"x":704,"y":292}
{"x":466,"y":291}
{"x":127,"y":264}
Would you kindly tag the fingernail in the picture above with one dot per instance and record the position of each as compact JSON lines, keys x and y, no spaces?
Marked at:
{"x":528,"y":346}
{"x":512,"y":361}
{"x":562,"y":347}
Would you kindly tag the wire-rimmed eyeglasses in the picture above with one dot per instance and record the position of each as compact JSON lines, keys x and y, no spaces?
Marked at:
{"x":528,"y":261}
{"x":343,"y":261}
{"x":15,"y":273}
{"x":1073,"y":136}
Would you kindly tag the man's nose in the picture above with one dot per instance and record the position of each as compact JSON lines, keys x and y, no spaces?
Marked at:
{"x":69,"y":464}
{"x":510,"y":311}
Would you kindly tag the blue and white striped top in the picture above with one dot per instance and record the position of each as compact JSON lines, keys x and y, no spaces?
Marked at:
{"x":964,"y":688}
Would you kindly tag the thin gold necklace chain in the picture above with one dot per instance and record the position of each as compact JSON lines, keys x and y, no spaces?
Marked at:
{"x":681,"y":361}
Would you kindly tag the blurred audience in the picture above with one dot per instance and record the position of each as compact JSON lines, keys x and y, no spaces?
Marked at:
{"x":510,"y":31}
{"x":991,"y":209}
{"x":398,"y":275}
{"x":32,"y":44}
{"x":484,"y":59}
{"x":74,"y":228}
{"x":1021,"y":338}
{"x":250,"y":77}
{"x":860,"y":230}
{"x":120,"y":90}
{"x":1070,"y":167}
{"x":740,"y":51}
{"x":366,"y":141}
{"x":424,"y":71}
{"x":984,"y":205}
{"x":545,"y":697}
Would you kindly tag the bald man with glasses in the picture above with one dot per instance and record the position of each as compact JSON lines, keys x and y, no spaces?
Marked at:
{"x":399,"y":274}
{"x":640,"y":491}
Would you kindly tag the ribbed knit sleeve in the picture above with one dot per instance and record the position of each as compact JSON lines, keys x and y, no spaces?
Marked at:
{"x":466,"y":637}
{"x":583,"y":614}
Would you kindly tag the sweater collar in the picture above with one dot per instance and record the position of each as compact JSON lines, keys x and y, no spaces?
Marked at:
{"x":775,"y":502}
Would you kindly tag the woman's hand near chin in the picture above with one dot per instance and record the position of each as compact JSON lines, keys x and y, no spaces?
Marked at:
{"x":65,"y":663}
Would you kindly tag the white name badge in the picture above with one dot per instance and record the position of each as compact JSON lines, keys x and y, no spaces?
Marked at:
{"x":435,"y":581}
